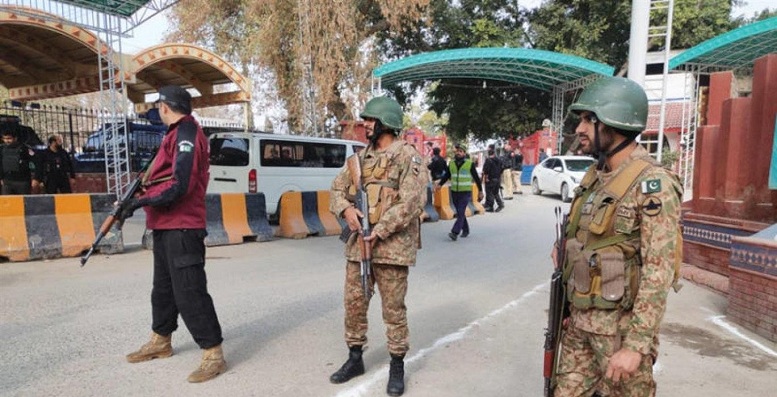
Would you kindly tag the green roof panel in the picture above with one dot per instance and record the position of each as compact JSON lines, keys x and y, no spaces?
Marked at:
{"x":737,"y":48}
{"x":529,"y":67}
{"x":123,"y":8}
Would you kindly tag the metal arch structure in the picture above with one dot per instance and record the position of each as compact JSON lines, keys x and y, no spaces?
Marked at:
{"x":544,"y":70}
{"x":733,"y":50}
{"x":111,"y":20}
{"x":185,"y":65}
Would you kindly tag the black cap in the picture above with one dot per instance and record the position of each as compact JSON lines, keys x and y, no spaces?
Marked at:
{"x":177,"y":96}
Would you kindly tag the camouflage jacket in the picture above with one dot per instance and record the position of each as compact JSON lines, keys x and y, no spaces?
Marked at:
{"x":651,"y":209}
{"x":398,"y":228}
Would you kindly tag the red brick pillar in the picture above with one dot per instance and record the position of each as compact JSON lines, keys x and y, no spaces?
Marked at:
{"x":762,"y":115}
{"x":733,"y":169}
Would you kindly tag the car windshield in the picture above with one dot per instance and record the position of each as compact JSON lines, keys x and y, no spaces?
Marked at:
{"x":579,"y":165}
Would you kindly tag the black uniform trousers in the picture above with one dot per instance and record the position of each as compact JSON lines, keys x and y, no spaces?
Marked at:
{"x":492,"y":194}
{"x":460,"y":202}
{"x":180,"y":286}
{"x":12,"y":186}
{"x":57,"y":184}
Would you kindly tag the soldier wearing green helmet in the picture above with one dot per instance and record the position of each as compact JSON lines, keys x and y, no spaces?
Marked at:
{"x":394,"y":179}
{"x":623,"y":249}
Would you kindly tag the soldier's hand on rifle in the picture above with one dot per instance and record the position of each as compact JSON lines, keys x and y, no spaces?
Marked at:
{"x":351,"y":216}
{"x":554,"y":256}
{"x":371,"y":239}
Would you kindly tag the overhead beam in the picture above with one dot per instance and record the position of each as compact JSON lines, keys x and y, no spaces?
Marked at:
{"x":224,"y":98}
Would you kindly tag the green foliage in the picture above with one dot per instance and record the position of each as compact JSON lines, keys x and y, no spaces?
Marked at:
{"x":669,"y":158}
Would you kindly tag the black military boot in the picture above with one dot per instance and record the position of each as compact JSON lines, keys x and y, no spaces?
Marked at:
{"x":396,"y":382}
{"x":352,"y":368}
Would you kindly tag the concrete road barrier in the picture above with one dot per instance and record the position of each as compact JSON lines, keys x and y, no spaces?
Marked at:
{"x":54,"y":226}
{"x":304,"y":214}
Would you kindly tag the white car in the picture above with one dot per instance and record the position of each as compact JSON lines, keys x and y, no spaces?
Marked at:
{"x":560,"y":175}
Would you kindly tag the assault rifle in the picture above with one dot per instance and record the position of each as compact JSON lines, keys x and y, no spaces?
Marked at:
{"x":115,"y":215}
{"x":559,"y":309}
{"x":361,"y":203}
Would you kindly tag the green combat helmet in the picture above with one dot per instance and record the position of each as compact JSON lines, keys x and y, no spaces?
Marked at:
{"x":386,"y":110}
{"x":617,"y":102}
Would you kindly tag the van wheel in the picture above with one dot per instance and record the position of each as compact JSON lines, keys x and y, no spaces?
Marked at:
{"x":535,"y":187}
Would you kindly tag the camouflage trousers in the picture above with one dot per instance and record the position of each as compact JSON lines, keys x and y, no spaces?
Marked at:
{"x":392,"y":286}
{"x":583,"y":364}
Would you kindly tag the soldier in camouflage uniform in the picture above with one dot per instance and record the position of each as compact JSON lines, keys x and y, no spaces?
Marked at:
{"x":394,"y":177}
{"x":623,"y":249}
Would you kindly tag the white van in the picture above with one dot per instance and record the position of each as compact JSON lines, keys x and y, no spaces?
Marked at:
{"x":273,"y":164}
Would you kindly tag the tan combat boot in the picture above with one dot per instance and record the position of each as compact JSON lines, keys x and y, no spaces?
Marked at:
{"x":158,"y":347}
{"x":211,"y":366}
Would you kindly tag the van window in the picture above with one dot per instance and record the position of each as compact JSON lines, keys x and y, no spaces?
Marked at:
{"x":229,"y":152}
{"x":279,"y":153}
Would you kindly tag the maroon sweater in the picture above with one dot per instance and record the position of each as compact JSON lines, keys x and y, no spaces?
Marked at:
{"x":177,"y":179}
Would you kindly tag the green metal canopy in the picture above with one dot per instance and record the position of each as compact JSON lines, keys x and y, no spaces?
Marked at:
{"x":737,"y":48}
{"x":123,"y":8}
{"x":533,"y":68}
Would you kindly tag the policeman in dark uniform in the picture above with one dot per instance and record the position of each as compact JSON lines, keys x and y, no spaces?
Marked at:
{"x":16,"y":166}
{"x":174,"y":201}
{"x":57,"y":169}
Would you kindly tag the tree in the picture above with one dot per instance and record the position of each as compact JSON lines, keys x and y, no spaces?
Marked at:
{"x":317,"y":52}
{"x":473,"y":110}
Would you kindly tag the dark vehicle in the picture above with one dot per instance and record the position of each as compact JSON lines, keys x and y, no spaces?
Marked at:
{"x":24,"y":134}
{"x":144,"y":139}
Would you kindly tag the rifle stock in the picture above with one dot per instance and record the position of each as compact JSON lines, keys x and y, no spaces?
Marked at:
{"x":361,"y":203}
{"x":558,"y":309}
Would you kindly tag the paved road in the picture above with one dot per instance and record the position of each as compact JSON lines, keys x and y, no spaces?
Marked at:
{"x":476,"y":313}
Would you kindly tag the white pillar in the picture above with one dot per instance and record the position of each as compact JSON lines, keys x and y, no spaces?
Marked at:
{"x":638,"y":40}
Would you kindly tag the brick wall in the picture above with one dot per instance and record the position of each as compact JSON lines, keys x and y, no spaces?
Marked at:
{"x":705,"y":257}
{"x":752,"y":302}
{"x":90,"y":183}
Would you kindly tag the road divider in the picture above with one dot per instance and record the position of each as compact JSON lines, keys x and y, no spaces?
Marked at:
{"x":54,"y":226}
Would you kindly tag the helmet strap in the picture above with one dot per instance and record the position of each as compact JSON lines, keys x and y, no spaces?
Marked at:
{"x":377,"y":131}
{"x":598,"y":152}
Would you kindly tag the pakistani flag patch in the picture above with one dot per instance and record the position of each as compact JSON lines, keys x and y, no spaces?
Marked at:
{"x":185,"y":147}
{"x":651,"y":186}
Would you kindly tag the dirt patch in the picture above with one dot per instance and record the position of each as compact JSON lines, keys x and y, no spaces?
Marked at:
{"x":708,"y":344}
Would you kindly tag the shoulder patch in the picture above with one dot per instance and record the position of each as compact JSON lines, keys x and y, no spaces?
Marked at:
{"x":651,"y":206}
{"x":185,"y":147}
{"x":651,"y":186}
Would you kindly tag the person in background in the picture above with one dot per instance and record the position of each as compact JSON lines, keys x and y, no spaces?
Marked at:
{"x":56,"y":167}
{"x":507,"y":172}
{"x":462,"y":174}
{"x":17,"y":165}
{"x":395,"y":180}
{"x":492,"y":174}
{"x":517,"y":167}
{"x":437,"y":167}
{"x":174,"y":200}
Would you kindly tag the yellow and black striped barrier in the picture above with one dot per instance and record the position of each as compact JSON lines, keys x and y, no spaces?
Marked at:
{"x":305,"y":214}
{"x":54,"y":226}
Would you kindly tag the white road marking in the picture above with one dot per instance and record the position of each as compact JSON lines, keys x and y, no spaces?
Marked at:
{"x":362,"y":387}
{"x":718,"y":320}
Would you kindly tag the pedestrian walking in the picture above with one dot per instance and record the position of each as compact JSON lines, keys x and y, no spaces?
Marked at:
{"x":623,"y":249}
{"x":394,"y":177}
{"x":507,"y":172}
{"x":56,"y":167}
{"x":516,"y":161}
{"x":492,"y":175}
{"x":174,"y":201}
{"x":17,"y":165}
{"x":462,"y":174}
